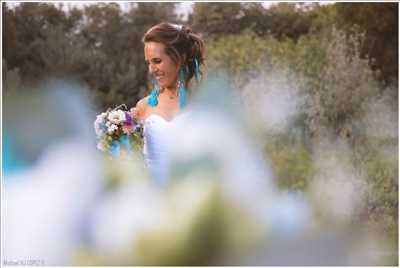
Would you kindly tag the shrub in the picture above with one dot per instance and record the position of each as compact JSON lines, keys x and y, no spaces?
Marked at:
{"x":340,"y":92}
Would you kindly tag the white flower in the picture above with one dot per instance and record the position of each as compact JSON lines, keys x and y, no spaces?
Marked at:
{"x":100,"y":119}
{"x":112,"y":128}
{"x":101,"y":146}
{"x":99,"y":131}
{"x":97,"y":127}
{"x":116,"y":117}
{"x":97,"y":122}
{"x":101,"y":116}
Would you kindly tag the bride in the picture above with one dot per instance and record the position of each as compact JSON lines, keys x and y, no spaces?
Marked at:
{"x":173,"y":54}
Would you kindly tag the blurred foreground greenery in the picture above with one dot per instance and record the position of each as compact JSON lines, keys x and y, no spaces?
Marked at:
{"x":341,"y":59}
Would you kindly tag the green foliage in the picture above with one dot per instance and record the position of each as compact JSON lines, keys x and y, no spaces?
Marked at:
{"x":236,"y":54}
{"x":339,"y":86}
{"x":25,"y":26}
{"x":100,"y":45}
{"x":11,"y":79}
{"x":291,"y":164}
{"x":281,"y":20}
{"x":381,"y":172}
{"x":380,"y":22}
{"x":288,"y":20}
{"x":215,"y":19}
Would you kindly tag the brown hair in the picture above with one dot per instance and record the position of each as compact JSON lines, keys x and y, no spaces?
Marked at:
{"x":181,"y":44}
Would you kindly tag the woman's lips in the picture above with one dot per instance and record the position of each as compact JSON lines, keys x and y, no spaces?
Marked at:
{"x":158,"y":76}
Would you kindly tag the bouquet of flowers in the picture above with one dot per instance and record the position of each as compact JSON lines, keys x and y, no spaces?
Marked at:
{"x":118,"y":131}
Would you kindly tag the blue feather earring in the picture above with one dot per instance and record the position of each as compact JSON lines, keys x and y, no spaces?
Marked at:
{"x":182,"y":89}
{"x":152,"y":100}
{"x":197,"y":69}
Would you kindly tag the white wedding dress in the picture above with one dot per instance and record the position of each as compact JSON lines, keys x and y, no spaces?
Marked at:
{"x":156,"y":147}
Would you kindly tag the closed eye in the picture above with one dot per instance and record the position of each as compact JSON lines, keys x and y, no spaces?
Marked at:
{"x":155,"y":60}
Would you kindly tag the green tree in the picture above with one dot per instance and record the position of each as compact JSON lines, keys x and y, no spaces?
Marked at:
{"x":100,"y":45}
{"x":380,"y":23}
{"x":281,"y":20}
{"x":24,"y":26}
{"x":288,"y":20}
{"x":216,"y":18}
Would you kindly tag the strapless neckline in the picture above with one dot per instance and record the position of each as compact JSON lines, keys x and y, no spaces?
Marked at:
{"x":162,"y":118}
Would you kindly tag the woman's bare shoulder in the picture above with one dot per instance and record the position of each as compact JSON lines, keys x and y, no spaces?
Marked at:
{"x":142,"y":103}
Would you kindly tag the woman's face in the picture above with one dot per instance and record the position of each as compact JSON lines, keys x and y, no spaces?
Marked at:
{"x":161,"y":66}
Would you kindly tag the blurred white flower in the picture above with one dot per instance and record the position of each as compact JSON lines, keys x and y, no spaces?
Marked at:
{"x":338,"y":189}
{"x":273,"y":101}
{"x":99,"y":132}
{"x":112,"y":128}
{"x":101,"y":146}
{"x":45,"y":208}
{"x":98,"y":126}
{"x":116,"y":117}
{"x":101,"y":117}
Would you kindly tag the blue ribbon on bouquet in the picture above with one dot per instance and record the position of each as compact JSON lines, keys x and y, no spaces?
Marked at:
{"x":115,"y":149}
{"x":124,"y":140}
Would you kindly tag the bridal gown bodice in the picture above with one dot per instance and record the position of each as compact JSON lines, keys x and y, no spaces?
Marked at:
{"x":156,"y":143}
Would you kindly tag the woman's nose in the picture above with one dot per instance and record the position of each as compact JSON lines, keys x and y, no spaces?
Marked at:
{"x":152,"y":69}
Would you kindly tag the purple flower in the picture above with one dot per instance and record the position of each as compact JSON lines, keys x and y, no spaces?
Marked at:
{"x":128,"y":118}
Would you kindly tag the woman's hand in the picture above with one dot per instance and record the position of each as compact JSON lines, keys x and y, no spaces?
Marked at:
{"x":134,"y":112}
{"x":139,"y":111}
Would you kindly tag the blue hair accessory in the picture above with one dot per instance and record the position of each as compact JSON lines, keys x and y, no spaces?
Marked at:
{"x":152,"y":101}
{"x":182,"y":89}
{"x":197,"y":69}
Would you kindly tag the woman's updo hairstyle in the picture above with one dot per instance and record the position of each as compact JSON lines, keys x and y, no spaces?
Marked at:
{"x":181,"y":44}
